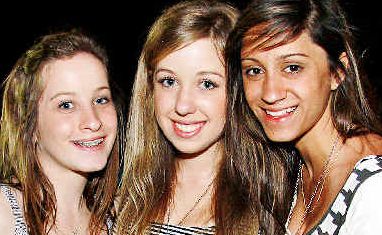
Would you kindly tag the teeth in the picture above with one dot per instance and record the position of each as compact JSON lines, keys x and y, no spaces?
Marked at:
{"x":281,"y":112}
{"x":90,"y":143}
{"x":188,"y":128}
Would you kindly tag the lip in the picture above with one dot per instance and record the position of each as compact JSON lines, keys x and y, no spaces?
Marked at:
{"x":90,"y":144}
{"x":187,"y":129}
{"x":279,"y":114}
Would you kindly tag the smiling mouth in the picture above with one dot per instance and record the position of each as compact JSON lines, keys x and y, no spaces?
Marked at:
{"x":188,"y":127}
{"x":89,"y":144}
{"x":280,"y":113}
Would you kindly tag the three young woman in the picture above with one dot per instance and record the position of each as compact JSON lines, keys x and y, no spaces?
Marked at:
{"x":293,"y":82}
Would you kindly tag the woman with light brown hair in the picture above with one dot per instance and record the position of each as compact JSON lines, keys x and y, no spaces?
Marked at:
{"x":176,"y":177}
{"x":58,"y":149}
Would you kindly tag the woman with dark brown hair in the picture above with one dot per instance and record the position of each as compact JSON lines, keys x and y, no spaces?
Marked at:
{"x":293,"y":71}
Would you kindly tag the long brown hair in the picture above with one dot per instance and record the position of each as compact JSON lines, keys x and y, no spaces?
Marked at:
{"x":19,"y":165}
{"x":266,"y":24}
{"x":149,"y":158}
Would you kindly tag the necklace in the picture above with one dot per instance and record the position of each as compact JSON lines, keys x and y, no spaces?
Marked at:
{"x":74,"y":231}
{"x":196,"y":203}
{"x":309,"y":207}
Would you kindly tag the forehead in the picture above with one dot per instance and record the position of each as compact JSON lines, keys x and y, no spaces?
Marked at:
{"x":199,"y":55}
{"x":302,"y":43}
{"x":81,"y":71}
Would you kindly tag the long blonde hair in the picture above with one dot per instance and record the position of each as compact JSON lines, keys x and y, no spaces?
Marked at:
{"x":149,"y":158}
{"x":19,"y":165}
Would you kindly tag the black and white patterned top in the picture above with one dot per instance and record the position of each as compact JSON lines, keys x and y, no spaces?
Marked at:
{"x":357,"y":208}
{"x":21,"y":227}
{"x":20,"y":224}
{"x":168,"y":229}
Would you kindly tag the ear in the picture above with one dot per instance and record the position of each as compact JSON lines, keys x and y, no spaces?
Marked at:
{"x":340,"y":76}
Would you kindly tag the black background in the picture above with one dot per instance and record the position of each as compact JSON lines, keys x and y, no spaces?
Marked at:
{"x":122,"y":26}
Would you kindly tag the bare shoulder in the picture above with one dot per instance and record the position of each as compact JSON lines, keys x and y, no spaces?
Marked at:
{"x":6,"y":217}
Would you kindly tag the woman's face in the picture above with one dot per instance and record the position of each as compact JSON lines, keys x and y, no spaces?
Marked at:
{"x":77,"y":121}
{"x":190,"y":96}
{"x":288,"y":88}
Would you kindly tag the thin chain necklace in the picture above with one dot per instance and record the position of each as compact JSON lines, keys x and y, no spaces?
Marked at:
{"x":319,"y":185}
{"x":199,"y":198}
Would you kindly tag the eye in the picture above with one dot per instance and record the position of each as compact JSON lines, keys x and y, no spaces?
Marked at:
{"x":167,"y":81}
{"x":102,"y":100}
{"x":253,"y":71}
{"x":66,"y":105}
{"x":293,"y":68}
{"x":208,"y":84}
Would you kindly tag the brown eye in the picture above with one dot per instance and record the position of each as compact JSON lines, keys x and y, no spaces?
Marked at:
{"x":253,"y":71}
{"x":293,"y":68}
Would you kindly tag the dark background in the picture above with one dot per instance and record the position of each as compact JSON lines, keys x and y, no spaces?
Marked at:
{"x":122,"y":30}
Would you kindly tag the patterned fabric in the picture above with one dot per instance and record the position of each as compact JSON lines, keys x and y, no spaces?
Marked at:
{"x":20,"y":224}
{"x":109,"y":225}
{"x":336,"y":216}
{"x":168,"y":229}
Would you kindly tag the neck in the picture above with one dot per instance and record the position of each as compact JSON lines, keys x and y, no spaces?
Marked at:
{"x":72,"y":216}
{"x":200,"y":166}
{"x":316,"y":145}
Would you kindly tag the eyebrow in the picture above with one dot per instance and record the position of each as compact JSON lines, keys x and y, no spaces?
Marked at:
{"x":280,"y":57}
{"x":210,"y":72}
{"x":73,"y":93}
{"x":199,"y":73}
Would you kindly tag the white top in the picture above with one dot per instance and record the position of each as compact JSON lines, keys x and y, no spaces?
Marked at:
{"x":357,"y":208}
{"x":365,"y":211}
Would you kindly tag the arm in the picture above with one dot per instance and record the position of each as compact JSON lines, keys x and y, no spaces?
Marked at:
{"x":365,"y":212}
{"x":6,"y":217}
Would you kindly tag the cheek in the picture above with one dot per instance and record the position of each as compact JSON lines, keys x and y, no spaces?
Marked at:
{"x":163,"y":101}
{"x":53,"y":128}
{"x":110,"y":118}
{"x":252,"y":92}
{"x":215,"y":105}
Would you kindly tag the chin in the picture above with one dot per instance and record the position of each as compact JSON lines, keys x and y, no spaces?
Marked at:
{"x":94,"y":166}
{"x":280,"y":137}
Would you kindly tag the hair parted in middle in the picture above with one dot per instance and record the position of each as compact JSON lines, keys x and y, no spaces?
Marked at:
{"x":149,"y":162}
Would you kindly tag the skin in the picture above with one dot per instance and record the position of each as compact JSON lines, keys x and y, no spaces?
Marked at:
{"x":189,"y":100}
{"x":189,"y":97}
{"x":281,"y":86}
{"x":75,"y":113}
{"x":289,"y":88}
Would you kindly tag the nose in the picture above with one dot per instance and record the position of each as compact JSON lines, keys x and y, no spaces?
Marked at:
{"x":90,"y":119}
{"x":273,"y":89}
{"x":185,"y":102}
